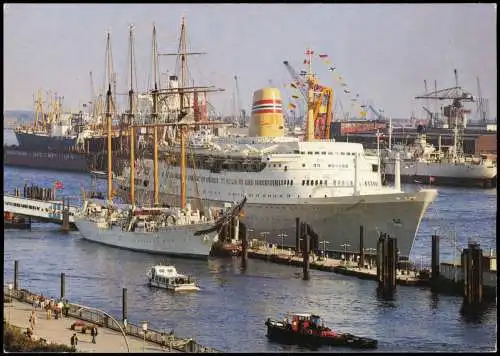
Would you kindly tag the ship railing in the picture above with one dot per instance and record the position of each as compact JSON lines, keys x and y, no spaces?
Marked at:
{"x":99,"y":318}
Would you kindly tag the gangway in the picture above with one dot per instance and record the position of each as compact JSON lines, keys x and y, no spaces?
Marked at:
{"x":50,"y":211}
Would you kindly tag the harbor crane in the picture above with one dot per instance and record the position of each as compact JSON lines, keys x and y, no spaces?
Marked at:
{"x":482,"y":104}
{"x":377,"y":113}
{"x":322,"y":99}
{"x":455,"y":113}
{"x":241,"y":112}
{"x":298,"y":80}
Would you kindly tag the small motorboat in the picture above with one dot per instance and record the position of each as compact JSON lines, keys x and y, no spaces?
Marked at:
{"x":166,"y":276}
{"x":308,"y":329}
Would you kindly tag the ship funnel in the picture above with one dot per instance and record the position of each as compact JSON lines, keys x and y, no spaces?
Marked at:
{"x":267,"y":115}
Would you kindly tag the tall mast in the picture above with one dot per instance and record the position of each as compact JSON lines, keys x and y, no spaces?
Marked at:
{"x":131,"y":118}
{"x":156,"y":179}
{"x":310,"y":100}
{"x":109,"y":120}
{"x":183,"y":53}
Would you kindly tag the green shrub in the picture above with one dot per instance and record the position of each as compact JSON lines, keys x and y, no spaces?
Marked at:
{"x":14,"y":340}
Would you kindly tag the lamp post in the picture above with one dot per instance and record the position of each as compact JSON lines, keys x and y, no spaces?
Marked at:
{"x":282,"y":235}
{"x":10,"y":297}
{"x":265,"y":234}
{"x":324,"y":242}
{"x":144,"y":329}
{"x":345,"y":245}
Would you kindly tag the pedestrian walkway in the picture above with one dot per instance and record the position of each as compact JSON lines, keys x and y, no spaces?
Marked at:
{"x":58,"y":331}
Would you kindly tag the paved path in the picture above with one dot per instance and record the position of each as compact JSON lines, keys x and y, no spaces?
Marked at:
{"x":58,"y":331}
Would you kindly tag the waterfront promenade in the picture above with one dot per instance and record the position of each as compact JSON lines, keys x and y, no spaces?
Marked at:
{"x":58,"y":331}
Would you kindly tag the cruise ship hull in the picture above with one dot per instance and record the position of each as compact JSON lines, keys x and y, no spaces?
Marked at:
{"x":337,"y":220}
{"x":171,"y":241}
{"x":444,"y":173}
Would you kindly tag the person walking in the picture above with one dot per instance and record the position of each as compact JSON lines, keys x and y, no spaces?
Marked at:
{"x":93,"y":332}
{"x":74,"y":340}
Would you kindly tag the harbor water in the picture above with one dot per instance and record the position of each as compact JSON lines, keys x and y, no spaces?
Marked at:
{"x":229,"y":311}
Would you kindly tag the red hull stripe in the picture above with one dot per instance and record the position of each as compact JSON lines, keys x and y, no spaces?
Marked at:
{"x":267,"y":101}
{"x":267,"y":111}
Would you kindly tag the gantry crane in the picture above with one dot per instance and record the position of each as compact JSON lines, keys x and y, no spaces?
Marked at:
{"x":321,"y":103}
{"x":454,"y":112}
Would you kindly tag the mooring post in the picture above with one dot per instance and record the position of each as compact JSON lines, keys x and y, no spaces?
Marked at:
{"x":380,"y":258}
{"x":65,"y":216}
{"x":244,"y":245}
{"x":392,"y":257}
{"x":473,"y":275}
{"x":305,"y":253}
{"x":361,"y":263}
{"x":124,"y":306}
{"x":16,"y":275}
{"x":435,"y":261}
{"x":297,"y":235}
{"x":63,"y":284}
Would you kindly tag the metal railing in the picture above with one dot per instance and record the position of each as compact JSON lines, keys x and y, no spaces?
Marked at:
{"x":93,"y":316}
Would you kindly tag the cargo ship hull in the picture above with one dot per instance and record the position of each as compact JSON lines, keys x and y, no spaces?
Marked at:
{"x":61,"y":161}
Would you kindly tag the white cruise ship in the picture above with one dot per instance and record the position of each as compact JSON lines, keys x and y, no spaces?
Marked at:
{"x":333,"y":186}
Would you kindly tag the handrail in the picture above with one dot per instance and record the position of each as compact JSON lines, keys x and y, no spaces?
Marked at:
{"x":101,"y":319}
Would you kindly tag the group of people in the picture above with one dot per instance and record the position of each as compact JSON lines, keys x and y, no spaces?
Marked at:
{"x":51,"y":306}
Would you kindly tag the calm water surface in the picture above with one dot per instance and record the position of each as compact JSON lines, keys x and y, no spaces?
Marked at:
{"x":229,"y":311}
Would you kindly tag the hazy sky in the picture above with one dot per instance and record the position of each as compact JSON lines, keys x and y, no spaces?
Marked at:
{"x":383,"y":52}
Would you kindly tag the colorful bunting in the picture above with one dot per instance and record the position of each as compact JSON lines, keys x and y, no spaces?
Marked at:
{"x":308,"y":52}
{"x":347,"y":91}
{"x":306,"y":61}
{"x":293,"y":85}
{"x":331,"y":69}
{"x":291,"y":106}
{"x":295,"y":96}
{"x":323,"y":56}
{"x":327,"y":61}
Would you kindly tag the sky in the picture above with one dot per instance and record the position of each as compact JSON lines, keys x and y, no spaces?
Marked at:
{"x":383,"y":52}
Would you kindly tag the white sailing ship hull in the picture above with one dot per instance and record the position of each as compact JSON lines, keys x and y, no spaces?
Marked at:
{"x":172,"y":240}
{"x":337,"y":219}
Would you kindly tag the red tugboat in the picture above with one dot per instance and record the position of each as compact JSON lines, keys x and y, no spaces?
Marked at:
{"x":309,"y":329}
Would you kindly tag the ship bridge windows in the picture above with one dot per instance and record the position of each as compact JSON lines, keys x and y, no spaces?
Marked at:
{"x":330,"y":153}
{"x":296,"y":152}
{"x":309,"y":152}
{"x":323,"y":153}
{"x":302,"y":152}
{"x":374,"y":167}
{"x":303,"y":164}
{"x":316,"y":153}
{"x":342,"y":153}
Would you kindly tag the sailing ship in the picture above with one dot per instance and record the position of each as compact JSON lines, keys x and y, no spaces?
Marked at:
{"x":333,"y":186}
{"x":180,"y":231}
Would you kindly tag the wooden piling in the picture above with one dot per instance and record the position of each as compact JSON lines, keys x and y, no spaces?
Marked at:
{"x":297,"y":235}
{"x":473,"y":275}
{"x":65,"y":217}
{"x":63,"y":284}
{"x":16,"y":275}
{"x":124,"y":304}
{"x":244,"y":245}
{"x":435,"y":261}
{"x":305,"y":253}
{"x":361,"y":247}
{"x":386,"y":263}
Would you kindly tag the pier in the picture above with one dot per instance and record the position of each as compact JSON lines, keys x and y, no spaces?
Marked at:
{"x":41,"y":210}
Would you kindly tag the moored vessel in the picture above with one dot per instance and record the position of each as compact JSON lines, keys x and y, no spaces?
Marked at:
{"x":333,"y":186}
{"x":309,"y":329}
